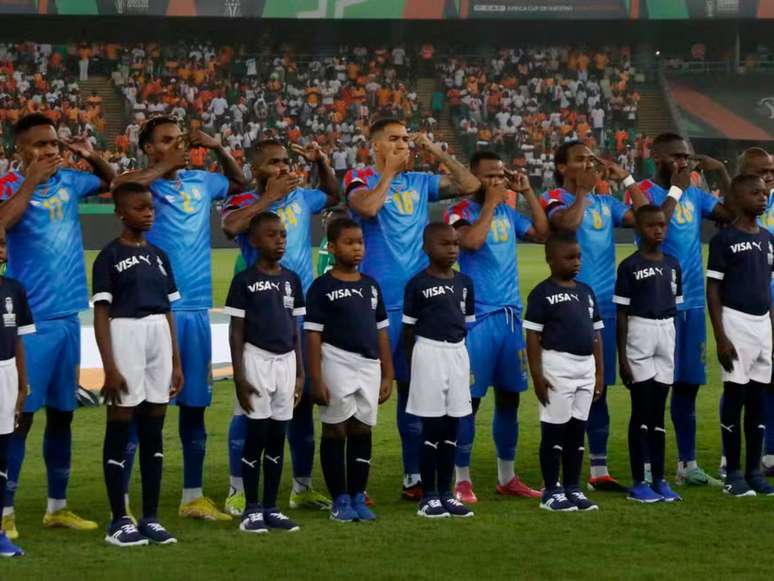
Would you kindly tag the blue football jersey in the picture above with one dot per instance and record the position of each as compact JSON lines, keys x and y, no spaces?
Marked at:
{"x":596,"y":237}
{"x":393,"y":238}
{"x":296,"y":211}
{"x":493,"y":267}
{"x":182,"y":230}
{"x":767,"y":221}
{"x":683,"y":238}
{"x":45,"y":248}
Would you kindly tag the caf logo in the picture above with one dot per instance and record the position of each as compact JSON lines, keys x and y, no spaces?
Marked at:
{"x":9,"y":317}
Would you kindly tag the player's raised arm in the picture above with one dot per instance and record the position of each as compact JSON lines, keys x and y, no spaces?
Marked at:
{"x":236,"y":219}
{"x":461,"y":182}
{"x":231,"y":169}
{"x":329,"y":185}
{"x":367,"y":202}
{"x":474,"y":235}
{"x":570,"y":217}
{"x":37,"y":172}
{"x":174,"y":157}
{"x":82,"y":147}
{"x":539,"y":230}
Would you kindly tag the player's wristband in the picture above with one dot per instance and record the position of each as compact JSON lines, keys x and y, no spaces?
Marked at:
{"x":676,"y":193}
{"x":628,"y":181}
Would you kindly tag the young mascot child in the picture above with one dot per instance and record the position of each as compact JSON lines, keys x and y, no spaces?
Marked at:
{"x":647,"y":292}
{"x":350,"y":364}
{"x":739,"y":273}
{"x":264,"y":302}
{"x":17,"y":321}
{"x":564,"y":349}
{"x":133,"y":287}
{"x":437,"y":305}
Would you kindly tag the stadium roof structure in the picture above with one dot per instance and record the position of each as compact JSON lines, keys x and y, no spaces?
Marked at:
{"x":735,"y":107}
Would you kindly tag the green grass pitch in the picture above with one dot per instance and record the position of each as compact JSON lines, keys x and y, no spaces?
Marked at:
{"x":706,"y":536}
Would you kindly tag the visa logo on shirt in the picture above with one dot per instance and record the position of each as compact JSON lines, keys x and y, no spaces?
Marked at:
{"x":648,"y":272}
{"x":343,"y":293}
{"x":745,"y":246}
{"x":131,"y":262}
{"x":263,"y":285}
{"x":435,"y":291}
{"x":562,"y":298}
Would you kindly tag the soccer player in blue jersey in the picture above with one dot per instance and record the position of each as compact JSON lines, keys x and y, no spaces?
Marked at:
{"x":183,"y":199}
{"x":266,"y":302}
{"x":391,"y":205}
{"x":488,"y":229}
{"x":757,"y":161}
{"x":575,"y":206}
{"x":647,"y":291}
{"x":17,"y":321}
{"x":277,"y":190}
{"x":135,"y":332}
{"x":739,"y":272}
{"x":685,"y":206}
{"x":45,"y":254}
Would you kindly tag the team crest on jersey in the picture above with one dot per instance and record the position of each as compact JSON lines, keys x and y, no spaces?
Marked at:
{"x":9,"y":317}
{"x":464,"y":299}
{"x":606,"y":211}
{"x":287,"y":300}
{"x":374,"y":297}
{"x":63,"y":194}
{"x":296,"y":207}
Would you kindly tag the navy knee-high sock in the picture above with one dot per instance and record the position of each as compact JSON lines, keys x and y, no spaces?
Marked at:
{"x":4,"y":441}
{"x":466,"y":433}
{"x":358,"y":462}
{"x":252,"y":453}
{"x":410,"y":429}
{"x":656,"y":431}
{"x":638,"y":430}
{"x":114,"y":465}
{"x":301,"y":437}
{"x":572,"y":453}
{"x":769,"y":397}
{"x":150,"y":431}
{"x":730,"y":424}
{"x":237,"y":432}
{"x":131,"y":452}
{"x":683,"y":411}
{"x":753,"y":425}
{"x":432,"y":436}
{"x":505,"y":431}
{"x":273,"y":459}
{"x":598,"y":430}
{"x":446,"y":453}
{"x":551,"y":444}
{"x":333,"y":465}
{"x":17,"y":447}
{"x":57,"y":447}
{"x":193,"y":438}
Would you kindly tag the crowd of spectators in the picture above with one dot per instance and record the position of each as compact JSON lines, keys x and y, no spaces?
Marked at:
{"x":525,"y":102}
{"x":44,"y":78}
{"x":521,"y":102}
